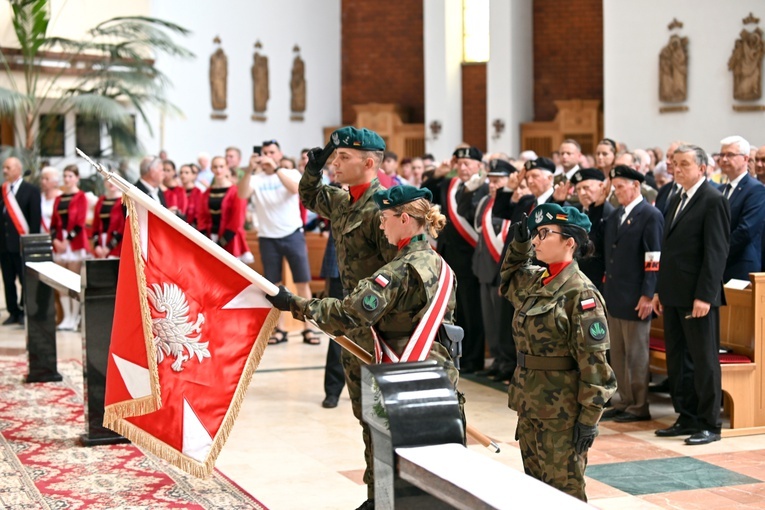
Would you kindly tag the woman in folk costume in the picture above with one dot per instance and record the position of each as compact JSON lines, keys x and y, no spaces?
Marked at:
{"x":49,"y":191}
{"x":221,"y":213}
{"x":416,"y":284}
{"x":102,"y":215}
{"x":70,"y":243}
{"x":175,"y":195}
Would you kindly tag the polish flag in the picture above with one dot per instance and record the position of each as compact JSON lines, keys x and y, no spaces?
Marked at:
{"x":189,"y":332}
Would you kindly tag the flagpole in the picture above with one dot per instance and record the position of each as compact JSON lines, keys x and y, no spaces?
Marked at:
{"x":184,"y":228}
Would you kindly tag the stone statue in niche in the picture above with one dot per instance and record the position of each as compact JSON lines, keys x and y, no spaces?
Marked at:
{"x":746,"y":64}
{"x":298,"y":83}
{"x":260,"y":91}
{"x":673,"y":70}
{"x":218,"y":77}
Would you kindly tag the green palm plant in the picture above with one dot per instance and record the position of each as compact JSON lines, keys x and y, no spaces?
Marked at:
{"x":107,"y":77}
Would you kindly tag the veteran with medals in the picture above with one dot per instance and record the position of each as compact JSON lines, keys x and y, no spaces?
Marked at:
{"x":562,"y":380}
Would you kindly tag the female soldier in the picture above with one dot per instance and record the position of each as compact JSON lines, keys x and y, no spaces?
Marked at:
{"x":70,"y":243}
{"x":562,"y":379}
{"x":394,"y":300}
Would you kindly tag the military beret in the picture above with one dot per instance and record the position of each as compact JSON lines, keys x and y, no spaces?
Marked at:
{"x":540,"y":164}
{"x":363,"y":139}
{"x":626,"y":172}
{"x":399,"y":195}
{"x":587,"y":174}
{"x":468,"y":153}
{"x":554,"y":214}
{"x":500,"y":168}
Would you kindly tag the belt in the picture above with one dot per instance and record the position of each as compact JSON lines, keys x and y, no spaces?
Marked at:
{"x":545,"y":362}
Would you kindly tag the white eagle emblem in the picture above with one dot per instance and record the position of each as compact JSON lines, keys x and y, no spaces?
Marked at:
{"x":174,"y":332}
{"x":539,"y":216}
{"x":335,"y":139}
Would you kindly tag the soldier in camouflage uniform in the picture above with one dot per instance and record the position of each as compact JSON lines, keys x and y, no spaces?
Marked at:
{"x":563,"y":379}
{"x":361,"y":246}
{"x":396,"y":296}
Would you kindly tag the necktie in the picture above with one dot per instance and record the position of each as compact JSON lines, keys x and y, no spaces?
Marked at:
{"x":621,"y":213}
{"x":727,"y":190}
{"x":683,"y":198}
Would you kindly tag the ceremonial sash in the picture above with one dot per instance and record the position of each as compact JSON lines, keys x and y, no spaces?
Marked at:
{"x":419,"y":344}
{"x":494,"y":243}
{"x":462,"y":225}
{"x":14,"y":211}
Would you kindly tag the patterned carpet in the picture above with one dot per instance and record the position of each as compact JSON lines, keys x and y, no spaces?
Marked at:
{"x":42,"y":464}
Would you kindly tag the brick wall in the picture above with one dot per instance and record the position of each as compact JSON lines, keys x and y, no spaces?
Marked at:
{"x":474,"y":105}
{"x":382,"y":55}
{"x":568,"y":53}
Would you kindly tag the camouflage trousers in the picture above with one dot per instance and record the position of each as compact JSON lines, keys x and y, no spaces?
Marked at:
{"x":352,"y":369}
{"x":548,"y":455}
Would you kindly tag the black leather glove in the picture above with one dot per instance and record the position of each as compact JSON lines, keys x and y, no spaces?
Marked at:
{"x":282,"y":300}
{"x":522,"y":233}
{"x":317,"y":158}
{"x":584,"y":435}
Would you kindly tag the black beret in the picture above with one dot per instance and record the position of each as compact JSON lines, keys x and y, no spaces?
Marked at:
{"x":468,"y":153}
{"x":626,"y":172}
{"x":500,"y":168}
{"x":540,"y":164}
{"x":587,"y":174}
{"x":398,"y":195}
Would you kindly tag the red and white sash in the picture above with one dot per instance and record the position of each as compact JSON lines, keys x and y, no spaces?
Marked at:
{"x":494,"y":243}
{"x":14,"y":211}
{"x":462,"y":225}
{"x":418,"y":347}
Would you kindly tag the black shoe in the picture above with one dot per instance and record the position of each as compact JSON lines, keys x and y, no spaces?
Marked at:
{"x":662,"y":387}
{"x":13,"y":319}
{"x":629,"y":418}
{"x":468,"y":369}
{"x":502,"y":375}
{"x":703,"y":437}
{"x":330,"y":402}
{"x":677,"y":430}
{"x":611,"y":413}
{"x":367,"y":505}
{"x":489,"y":372}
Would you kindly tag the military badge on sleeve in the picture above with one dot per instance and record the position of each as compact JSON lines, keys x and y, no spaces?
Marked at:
{"x":587,"y":304}
{"x":370,"y":302}
{"x":597,"y":330}
{"x":382,"y":280}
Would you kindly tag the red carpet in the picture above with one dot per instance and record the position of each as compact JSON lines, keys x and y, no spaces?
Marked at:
{"x":42,"y":464}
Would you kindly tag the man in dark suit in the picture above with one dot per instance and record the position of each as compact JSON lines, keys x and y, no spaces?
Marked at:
{"x":151,"y":177}
{"x":21,"y":215}
{"x":632,"y":246}
{"x":746,"y":197}
{"x":689,"y":294}
{"x":457,"y":243}
{"x":538,"y":174}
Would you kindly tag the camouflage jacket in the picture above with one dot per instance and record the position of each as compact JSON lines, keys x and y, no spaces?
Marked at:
{"x":362,"y":247}
{"x":394,"y":309}
{"x":565,"y":318}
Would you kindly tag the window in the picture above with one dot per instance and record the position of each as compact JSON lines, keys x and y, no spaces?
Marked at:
{"x":51,"y":135}
{"x":475,"y":31}
{"x":88,"y":135}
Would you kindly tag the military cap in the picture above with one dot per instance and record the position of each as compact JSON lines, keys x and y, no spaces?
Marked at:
{"x":399,"y":195}
{"x":363,"y":139}
{"x":468,"y":153}
{"x":540,"y":164}
{"x":500,"y":168}
{"x":554,"y":214}
{"x":587,"y":174}
{"x":626,"y":172}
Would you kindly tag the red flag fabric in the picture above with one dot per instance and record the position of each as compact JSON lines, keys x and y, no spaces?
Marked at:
{"x":188,"y":333}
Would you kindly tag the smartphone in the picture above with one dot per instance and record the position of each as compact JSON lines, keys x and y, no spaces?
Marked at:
{"x":257,"y":149}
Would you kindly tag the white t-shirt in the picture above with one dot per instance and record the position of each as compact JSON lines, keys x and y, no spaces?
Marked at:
{"x":277,"y":210}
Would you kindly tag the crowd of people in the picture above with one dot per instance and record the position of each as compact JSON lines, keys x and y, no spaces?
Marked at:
{"x":557,"y":260}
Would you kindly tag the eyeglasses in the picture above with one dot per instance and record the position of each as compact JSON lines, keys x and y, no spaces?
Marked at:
{"x":729,"y":155}
{"x":383,"y":218}
{"x":543,"y":232}
{"x":759,"y":160}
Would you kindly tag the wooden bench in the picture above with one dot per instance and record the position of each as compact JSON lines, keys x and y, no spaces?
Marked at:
{"x":741,"y":330}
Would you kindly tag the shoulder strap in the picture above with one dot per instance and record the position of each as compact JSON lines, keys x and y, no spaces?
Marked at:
{"x":14,"y":211}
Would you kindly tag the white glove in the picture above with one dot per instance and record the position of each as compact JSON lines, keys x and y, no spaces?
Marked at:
{"x":475,"y":182}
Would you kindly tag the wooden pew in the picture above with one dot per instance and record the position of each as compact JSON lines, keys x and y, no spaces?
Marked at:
{"x":742,"y":324}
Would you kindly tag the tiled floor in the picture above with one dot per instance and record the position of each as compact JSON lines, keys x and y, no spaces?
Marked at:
{"x":291,"y":453}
